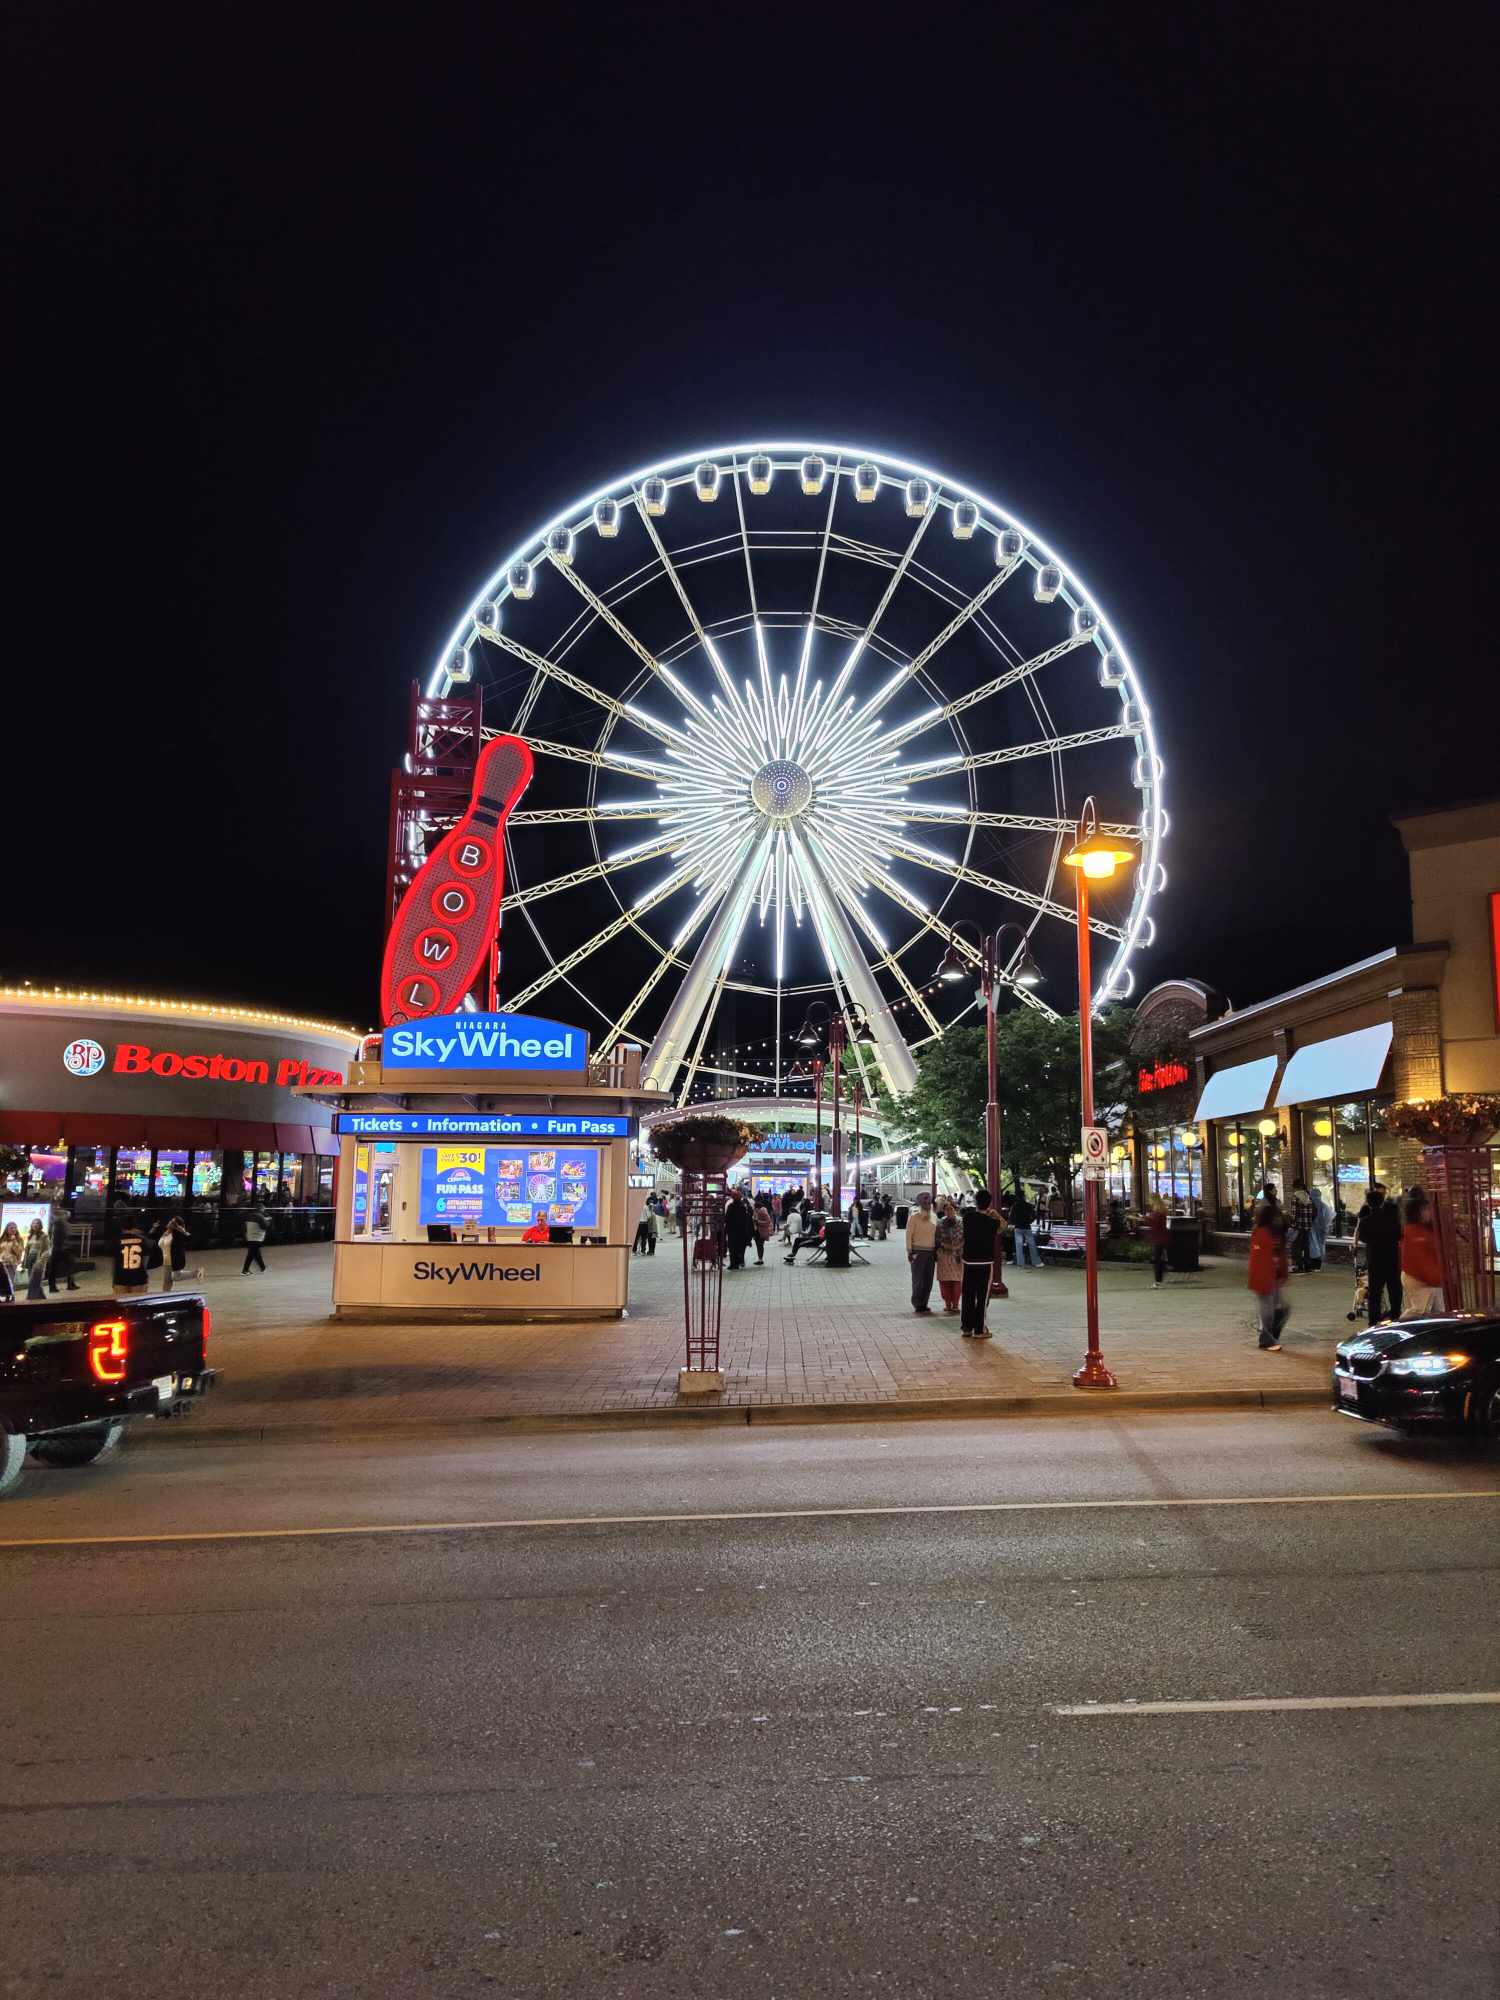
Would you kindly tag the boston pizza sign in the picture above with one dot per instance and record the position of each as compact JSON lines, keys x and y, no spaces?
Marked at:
{"x":85,"y":1058}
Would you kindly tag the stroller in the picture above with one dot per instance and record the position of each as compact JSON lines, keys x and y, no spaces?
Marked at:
{"x":1360,"y":1307}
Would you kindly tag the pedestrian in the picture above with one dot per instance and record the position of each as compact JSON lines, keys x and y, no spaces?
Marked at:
{"x":643,"y":1230}
{"x":950,"y":1253}
{"x":810,"y":1234}
{"x":132,"y":1257}
{"x":1421,"y":1267}
{"x":1317,"y":1229}
{"x":738,"y":1229}
{"x":921,"y":1252}
{"x":1156,"y":1235}
{"x":981,"y":1227}
{"x":35,"y":1258}
{"x":255,"y":1235}
{"x":1023,"y":1229}
{"x":173,"y":1241}
{"x":1301,"y":1222}
{"x":1378,"y":1233}
{"x":1267,"y":1274}
{"x":61,"y":1264}
{"x":764,"y":1223}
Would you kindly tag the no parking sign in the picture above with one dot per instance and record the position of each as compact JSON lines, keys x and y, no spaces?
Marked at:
{"x":1095,"y":1153}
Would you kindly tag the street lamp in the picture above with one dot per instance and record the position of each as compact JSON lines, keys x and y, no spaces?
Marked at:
{"x":814,"y":1069}
{"x":1024,"y":972}
{"x":1093,"y":857}
{"x":849,"y":1024}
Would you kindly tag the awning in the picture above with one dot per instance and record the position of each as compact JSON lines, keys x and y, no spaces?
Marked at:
{"x":294,"y":1138}
{"x":30,"y":1128}
{"x":1232,"y":1093}
{"x":182,"y":1132}
{"x":1343,"y":1066}
{"x":325,"y":1142}
{"x":249,"y":1138}
{"x":105,"y":1128}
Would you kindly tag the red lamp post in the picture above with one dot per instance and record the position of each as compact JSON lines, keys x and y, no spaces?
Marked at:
{"x":849,"y":1024}
{"x":991,"y":948}
{"x":1094,"y":857}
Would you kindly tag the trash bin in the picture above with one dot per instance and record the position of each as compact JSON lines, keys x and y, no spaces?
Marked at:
{"x":1184,"y":1239}
{"x":902,"y":1212}
{"x":836,"y":1244}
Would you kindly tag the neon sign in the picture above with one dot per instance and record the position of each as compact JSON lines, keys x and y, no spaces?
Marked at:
{"x":291,"y":1072}
{"x":1495,"y":950}
{"x":484,"y":1041}
{"x":1162,"y":1076}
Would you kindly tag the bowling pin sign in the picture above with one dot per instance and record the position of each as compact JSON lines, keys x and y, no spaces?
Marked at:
{"x":449,"y":916}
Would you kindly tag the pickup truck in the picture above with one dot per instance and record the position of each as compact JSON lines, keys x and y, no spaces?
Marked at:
{"x":74,"y":1371}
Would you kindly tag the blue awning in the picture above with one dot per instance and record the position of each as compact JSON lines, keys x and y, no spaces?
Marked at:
{"x":1343,"y":1066}
{"x":1232,"y":1093}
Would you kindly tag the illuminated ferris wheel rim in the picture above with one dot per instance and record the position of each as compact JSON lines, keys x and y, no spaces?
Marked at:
{"x":845,"y":458}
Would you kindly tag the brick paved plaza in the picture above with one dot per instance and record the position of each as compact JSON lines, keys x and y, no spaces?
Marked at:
{"x":792,"y":1339}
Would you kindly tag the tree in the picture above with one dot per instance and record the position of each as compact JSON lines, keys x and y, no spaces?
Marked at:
{"x":1039,"y":1086}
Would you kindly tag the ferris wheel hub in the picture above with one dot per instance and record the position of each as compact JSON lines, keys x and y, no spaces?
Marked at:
{"x":781,"y":789}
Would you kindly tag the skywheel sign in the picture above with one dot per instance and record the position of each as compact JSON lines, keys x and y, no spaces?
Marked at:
{"x":483,"y":1042}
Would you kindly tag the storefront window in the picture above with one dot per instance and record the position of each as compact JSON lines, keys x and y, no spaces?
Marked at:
{"x":325,"y":1183}
{"x":208,"y":1175}
{"x":1383,"y":1149}
{"x":47,"y":1169}
{"x":1318,"y":1152}
{"x":132,"y":1173}
{"x":267,"y":1175}
{"x":291,"y":1175}
{"x":1249,"y":1156}
{"x":90,"y":1179}
{"x":1174,"y":1165}
{"x":15,"y":1171}
{"x":1351,"y":1129}
{"x":169,"y":1182}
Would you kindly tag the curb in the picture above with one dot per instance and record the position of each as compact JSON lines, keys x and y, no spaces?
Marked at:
{"x":747,"y":1415}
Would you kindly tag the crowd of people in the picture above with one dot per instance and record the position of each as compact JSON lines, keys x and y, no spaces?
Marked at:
{"x":1397,"y":1267}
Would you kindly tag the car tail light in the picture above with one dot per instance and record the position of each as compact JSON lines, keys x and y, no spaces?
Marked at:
{"x":208,"y":1327}
{"x":109,"y":1350}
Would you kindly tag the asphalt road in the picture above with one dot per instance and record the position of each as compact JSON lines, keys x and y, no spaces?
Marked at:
{"x":825,"y":1752}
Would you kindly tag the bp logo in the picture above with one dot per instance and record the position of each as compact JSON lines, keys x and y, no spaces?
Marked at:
{"x":83,"y":1058}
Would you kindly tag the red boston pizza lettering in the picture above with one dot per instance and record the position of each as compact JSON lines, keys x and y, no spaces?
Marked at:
{"x":451,"y":912}
{"x":292,"y":1072}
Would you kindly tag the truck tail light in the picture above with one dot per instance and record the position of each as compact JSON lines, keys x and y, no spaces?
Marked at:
{"x":108,"y":1350}
{"x":208,"y":1327}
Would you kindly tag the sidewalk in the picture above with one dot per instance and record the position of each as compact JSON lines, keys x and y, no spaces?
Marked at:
{"x":798,"y":1344}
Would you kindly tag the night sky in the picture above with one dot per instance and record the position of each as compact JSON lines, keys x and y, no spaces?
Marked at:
{"x":310,"y":327}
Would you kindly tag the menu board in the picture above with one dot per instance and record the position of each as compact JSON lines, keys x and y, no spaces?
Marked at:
{"x":503,"y":1187}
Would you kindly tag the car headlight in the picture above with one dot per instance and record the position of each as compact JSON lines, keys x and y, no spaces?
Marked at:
{"x":1429,"y":1364}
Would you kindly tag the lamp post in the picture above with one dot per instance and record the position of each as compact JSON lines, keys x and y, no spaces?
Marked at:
{"x":848,"y":1024}
{"x":1093,"y":857}
{"x":991,"y":947}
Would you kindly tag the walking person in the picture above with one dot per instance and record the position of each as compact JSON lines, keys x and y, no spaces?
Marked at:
{"x":921,"y":1252}
{"x":61,"y":1265}
{"x":1156,"y":1235}
{"x":1023,"y":1228}
{"x":255,"y":1235}
{"x":643,"y":1229}
{"x":950,"y":1254}
{"x":981,"y":1226}
{"x":1379,"y":1233}
{"x":173,"y":1241}
{"x":1301,"y":1226}
{"x":35,"y":1258}
{"x":1267,"y":1274}
{"x":1317,"y":1229}
{"x":764,"y":1223}
{"x":738,"y":1230}
{"x":1421,"y":1266}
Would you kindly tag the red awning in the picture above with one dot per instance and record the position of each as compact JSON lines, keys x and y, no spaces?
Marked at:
{"x":249,"y":1138}
{"x":182,"y":1132}
{"x":325,"y":1143}
{"x":294,"y":1138}
{"x":105,"y":1128}
{"x":30,"y":1128}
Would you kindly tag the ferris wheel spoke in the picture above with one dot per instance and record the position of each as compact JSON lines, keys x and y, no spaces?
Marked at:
{"x":934,"y":646}
{"x":602,"y":760}
{"x":889,"y":962}
{"x":846,"y":961}
{"x":845,"y":672}
{"x":984,"y":760}
{"x":588,"y":815}
{"x":731,"y":906}
{"x":534,"y":892}
{"x":1012,"y":892}
{"x":626,"y":920}
{"x":960,"y":816}
{"x":542,"y":665}
{"x":706,"y":716}
{"x":624,"y":1021}
{"x":996,"y":686}
{"x":915,"y":908}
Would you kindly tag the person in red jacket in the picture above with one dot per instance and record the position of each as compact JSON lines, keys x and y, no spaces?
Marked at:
{"x":1268,"y":1273}
{"x":1421,"y":1268}
{"x":539,"y":1232}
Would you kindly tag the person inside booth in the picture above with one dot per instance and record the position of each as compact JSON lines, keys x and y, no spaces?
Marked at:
{"x":539,"y":1231}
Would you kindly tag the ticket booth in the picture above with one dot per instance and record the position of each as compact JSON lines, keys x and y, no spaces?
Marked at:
{"x":486,"y":1172}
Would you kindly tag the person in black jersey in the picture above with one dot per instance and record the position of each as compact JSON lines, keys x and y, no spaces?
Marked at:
{"x":981,"y":1227}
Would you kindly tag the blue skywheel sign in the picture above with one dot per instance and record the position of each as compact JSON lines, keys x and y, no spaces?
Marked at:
{"x":483,"y":1042}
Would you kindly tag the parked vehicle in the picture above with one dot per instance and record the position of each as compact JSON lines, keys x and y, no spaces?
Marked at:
{"x":74,"y":1372}
{"x":1444,"y":1370}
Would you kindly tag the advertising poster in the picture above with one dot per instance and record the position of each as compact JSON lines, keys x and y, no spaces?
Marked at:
{"x":502,"y":1187}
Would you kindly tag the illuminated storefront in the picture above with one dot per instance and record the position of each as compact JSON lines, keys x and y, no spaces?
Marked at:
{"x":114,"y":1106}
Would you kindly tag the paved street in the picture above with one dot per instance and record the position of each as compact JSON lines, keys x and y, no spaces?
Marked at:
{"x":793,"y":1338}
{"x":815,"y":1740}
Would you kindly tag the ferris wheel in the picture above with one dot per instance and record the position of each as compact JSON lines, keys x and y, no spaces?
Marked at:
{"x":794,"y":708}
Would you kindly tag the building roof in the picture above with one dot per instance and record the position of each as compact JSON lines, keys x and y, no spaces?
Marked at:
{"x":1389,"y":967}
{"x":1448,"y":826}
{"x":26,"y":998}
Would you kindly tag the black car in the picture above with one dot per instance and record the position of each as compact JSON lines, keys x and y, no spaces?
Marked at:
{"x":1442,"y":1370}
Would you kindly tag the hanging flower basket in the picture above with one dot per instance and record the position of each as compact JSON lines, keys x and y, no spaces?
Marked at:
{"x":705,"y":1145}
{"x":1463,"y":1118}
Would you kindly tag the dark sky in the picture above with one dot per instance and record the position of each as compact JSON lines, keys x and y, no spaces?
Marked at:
{"x":312,"y":322}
